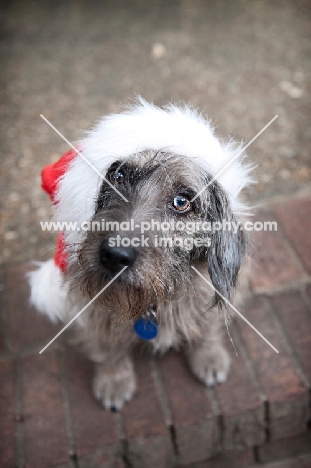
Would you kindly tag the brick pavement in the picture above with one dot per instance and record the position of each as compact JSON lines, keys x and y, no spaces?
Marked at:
{"x":259,"y":417}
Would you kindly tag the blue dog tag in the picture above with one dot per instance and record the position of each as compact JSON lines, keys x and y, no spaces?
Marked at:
{"x":145,"y":329}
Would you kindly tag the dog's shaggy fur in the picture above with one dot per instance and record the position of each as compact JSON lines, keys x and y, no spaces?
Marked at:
{"x":160,"y":154}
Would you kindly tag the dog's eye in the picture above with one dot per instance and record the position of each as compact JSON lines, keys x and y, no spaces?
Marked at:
{"x":181,"y":203}
{"x":116,"y":177}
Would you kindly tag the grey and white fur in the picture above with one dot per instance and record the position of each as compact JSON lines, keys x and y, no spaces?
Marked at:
{"x":150,"y":175}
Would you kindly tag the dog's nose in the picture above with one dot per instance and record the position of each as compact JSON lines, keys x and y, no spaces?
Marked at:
{"x":117,"y":257}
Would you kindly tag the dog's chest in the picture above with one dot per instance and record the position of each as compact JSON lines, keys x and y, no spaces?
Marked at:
{"x":177,"y":325}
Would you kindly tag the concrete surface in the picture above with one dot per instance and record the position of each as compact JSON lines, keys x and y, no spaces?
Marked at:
{"x":241,"y":62}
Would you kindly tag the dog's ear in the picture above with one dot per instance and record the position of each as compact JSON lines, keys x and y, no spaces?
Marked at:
{"x":228,"y":246}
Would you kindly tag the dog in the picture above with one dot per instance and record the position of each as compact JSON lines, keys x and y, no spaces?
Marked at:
{"x":145,"y":167}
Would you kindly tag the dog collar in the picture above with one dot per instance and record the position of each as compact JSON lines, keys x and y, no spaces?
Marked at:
{"x":147,"y":327}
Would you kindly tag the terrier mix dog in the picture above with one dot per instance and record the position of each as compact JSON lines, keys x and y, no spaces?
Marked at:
{"x":147,"y":166}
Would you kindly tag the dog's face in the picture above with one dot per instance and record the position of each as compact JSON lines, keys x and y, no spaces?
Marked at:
{"x":159,"y":187}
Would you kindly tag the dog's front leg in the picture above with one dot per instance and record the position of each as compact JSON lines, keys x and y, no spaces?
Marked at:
{"x":208,"y":358}
{"x":114,"y":381}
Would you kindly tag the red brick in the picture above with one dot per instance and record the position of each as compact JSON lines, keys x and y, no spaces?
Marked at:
{"x":305,"y":461}
{"x":233,"y":459}
{"x":278,"y":378}
{"x":296,"y":320}
{"x":26,"y":325}
{"x":283,"y":464}
{"x":196,"y":428}
{"x":285,"y":448}
{"x":7,"y":413}
{"x":44,"y":426}
{"x":93,"y":426}
{"x":105,"y":458}
{"x":241,"y":407}
{"x":118,"y":463}
{"x":309,"y":291}
{"x":273,"y":265}
{"x":295,"y":219}
{"x":3,"y":314}
{"x":148,"y":437}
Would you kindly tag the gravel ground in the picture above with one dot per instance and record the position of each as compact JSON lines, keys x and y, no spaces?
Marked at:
{"x":240,"y":62}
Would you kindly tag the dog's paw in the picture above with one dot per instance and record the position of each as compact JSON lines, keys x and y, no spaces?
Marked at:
{"x":113,"y":386}
{"x":211,"y":366}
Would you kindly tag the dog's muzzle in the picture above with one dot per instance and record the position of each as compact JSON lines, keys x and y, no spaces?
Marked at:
{"x":115,"y":258}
